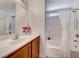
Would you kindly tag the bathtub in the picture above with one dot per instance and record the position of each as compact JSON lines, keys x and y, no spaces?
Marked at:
{"x":74,"y":50}
{"x":54,"y":31}
{"x":53,"y":49}
{"x":53,"y":52}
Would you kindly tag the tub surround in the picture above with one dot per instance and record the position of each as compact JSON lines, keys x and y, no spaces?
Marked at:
{"x":8,"y":46}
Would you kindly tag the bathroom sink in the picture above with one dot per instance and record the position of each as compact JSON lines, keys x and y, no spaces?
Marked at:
{"x":17,"y":41}
{"x":5,"y":43}
{"x":12,"y":41}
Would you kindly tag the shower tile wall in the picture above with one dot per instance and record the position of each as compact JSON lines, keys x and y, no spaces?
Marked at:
{"x":73,"y":32}
{"x":53,"y":30}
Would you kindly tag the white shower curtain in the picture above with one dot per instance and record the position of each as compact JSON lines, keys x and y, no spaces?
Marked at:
{"x":64,"y":16}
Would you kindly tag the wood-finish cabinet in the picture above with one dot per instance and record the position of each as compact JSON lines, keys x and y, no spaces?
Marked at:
{"x":35,"y":48}
{"x":30,"y":50}
{"x":25,"y":52}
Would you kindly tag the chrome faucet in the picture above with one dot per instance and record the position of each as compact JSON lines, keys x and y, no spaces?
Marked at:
{"x":16,"y":36}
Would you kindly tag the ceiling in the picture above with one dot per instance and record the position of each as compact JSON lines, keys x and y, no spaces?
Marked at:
{"x":59,"y":4}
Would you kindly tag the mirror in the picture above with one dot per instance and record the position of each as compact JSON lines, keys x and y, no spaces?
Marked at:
{"x":7,"y":17}
{"x":14,"y":15}
{"x":22,"y":15}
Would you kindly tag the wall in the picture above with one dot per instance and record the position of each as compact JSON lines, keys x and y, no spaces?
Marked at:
{"x":21,"y":18}
{"x":37,"y":20}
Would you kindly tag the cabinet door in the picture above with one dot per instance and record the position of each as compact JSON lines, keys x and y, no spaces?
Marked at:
{"x":35,"y":47}
{"x":25,"y":52}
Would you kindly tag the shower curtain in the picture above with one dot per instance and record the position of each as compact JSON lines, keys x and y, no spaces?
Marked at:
{"x":65,"y":16}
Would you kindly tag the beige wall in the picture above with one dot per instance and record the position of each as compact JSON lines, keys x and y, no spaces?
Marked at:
{"x":21,"y":18}
{"x":37,"y":20}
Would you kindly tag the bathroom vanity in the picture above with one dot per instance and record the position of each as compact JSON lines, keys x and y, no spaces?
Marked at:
{"x":25,"y":47}
{"x":29,"y":50}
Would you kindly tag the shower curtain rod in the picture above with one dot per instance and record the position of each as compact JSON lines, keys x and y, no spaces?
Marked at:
{"x":72,"y":9}
{"x":55,"y":10}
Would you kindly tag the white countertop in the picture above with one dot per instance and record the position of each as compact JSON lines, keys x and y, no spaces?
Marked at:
{"x":8,"y":46}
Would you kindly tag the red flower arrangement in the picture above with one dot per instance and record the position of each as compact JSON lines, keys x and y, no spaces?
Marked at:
{"x":26,"y":28}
